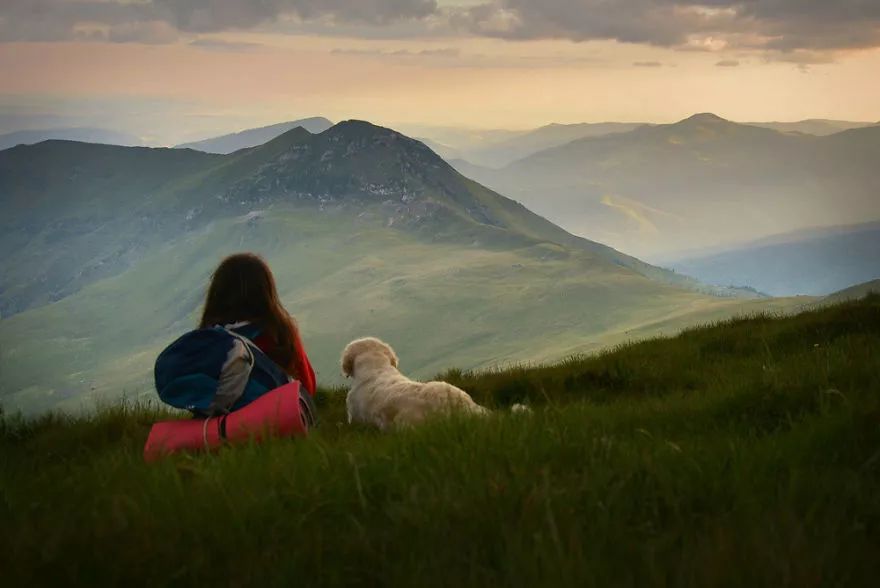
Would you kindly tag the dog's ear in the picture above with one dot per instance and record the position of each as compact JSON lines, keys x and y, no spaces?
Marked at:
{"x":392,"y":357}
{"x":348,"y":362}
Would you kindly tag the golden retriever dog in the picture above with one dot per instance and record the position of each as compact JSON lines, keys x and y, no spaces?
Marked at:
{"x":380,"y":395}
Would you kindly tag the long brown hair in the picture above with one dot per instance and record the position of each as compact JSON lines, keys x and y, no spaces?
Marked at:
{"x":243,"y":289}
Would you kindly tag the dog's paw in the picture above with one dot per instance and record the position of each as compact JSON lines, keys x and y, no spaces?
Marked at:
{"x":520,"y":408}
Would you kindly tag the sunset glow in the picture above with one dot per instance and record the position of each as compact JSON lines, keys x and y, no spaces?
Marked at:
{"x":173,"y":78}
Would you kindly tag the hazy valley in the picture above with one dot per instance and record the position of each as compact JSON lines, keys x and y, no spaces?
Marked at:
{"x":816,"y":261}
{"x":702,"y":182}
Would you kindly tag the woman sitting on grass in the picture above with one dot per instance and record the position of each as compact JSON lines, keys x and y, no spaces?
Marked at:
{"x":243,"y":297}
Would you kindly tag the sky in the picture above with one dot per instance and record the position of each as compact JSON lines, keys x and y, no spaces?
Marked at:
{"x":171,"y":71}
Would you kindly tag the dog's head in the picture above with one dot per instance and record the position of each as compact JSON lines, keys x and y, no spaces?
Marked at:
{"x":368,"y":351}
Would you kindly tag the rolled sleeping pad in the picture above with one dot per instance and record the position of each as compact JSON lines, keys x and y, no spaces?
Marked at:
{"x":275,"y":413}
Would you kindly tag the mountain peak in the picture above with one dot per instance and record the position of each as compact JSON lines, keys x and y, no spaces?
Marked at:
{"x":358,"y":128}
{"x":353,"y":161}
{"x":294,"y":135}
{"x":704,"y":118}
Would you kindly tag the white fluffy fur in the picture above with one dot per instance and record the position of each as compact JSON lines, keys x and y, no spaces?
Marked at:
{"x":380,"y":395}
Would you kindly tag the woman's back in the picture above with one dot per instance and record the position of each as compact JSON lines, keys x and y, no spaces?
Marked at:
{"x":242,"y":295}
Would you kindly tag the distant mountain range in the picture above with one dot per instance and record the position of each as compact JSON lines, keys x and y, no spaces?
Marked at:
{"x":83,"y":134}
{"x":232,"y":142}
{"x":460,"y":139}
{"x":369,"y":232}
{"x":486,"y":148}
{"x":812,"y":261}
{"x":521,"y":145}
{"x":497,"y":147}
{"x":700,"y":182}
{"x":815,"y":126}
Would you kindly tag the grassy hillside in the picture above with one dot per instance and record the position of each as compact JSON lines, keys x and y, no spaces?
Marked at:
{"x":747,"y":453}
{"x":455,"y":301}
{"x":76,"y":213}
{"x":853,"y":293}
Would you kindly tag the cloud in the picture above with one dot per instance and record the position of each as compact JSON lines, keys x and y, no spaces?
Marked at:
{"x":154,"y":32}
{"x":448,"y":52}
{"x":647,"y":64}
{"x":789,"y":30}
{"x":655,"y":22}
{"x":776,"y":27}
{"x":450,"y":57}
{"x":156,"y":20}
{"x":445,"y":52}
{"x":728,"y":63}
{"x":221,"y":45}
{"x":804,"y":57}
{"x":220,"y":15}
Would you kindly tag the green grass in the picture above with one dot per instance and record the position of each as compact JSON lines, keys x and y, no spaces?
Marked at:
{"x":746,"y":453}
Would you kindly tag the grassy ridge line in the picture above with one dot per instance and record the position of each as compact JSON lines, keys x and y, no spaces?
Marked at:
{"x":747,"y":453}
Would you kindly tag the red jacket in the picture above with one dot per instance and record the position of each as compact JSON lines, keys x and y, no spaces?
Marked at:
{"x":299,"y":365}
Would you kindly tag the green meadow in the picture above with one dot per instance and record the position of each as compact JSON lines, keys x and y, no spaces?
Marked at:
{"x":738,"y":454}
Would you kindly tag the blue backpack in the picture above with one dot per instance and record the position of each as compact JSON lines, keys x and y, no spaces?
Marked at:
{"x":217,"y":370}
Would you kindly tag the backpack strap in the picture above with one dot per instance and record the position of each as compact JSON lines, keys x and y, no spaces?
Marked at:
{"x":234,"y":374}
{"x":236,"y":331}
{"x":236,"y":371}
